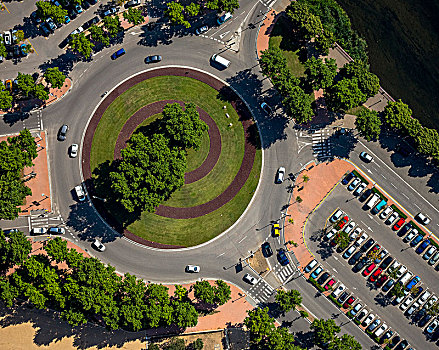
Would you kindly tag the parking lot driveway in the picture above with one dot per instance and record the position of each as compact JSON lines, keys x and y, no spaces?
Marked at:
{"x":335,"y":264}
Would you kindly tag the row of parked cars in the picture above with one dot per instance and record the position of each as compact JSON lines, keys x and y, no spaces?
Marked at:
{"x":13,"y":48}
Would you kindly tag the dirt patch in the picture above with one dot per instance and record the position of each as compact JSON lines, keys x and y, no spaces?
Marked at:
{"x":211,"y":341}
{"x":259,"y":263}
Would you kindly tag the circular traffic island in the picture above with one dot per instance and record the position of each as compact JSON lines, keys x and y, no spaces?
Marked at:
{"x":220,"y":177}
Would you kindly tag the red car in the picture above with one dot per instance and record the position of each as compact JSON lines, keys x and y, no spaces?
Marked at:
{"x":342,"y":222}
{"x":381,"y":280}
{"x":369,"y":269}
{"x":398,"y":224}
{"x":348,"y":302}
{"x":329,"y":284}
{"x":375,"y":275}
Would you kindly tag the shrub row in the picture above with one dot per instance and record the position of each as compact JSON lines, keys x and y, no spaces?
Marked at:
{"x":357,"y":174}
{"x":401,"y":214}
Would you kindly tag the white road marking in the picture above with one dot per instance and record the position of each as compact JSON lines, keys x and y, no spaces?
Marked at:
{"x":242,"y":239}
{"x":383,"y":176}
{"x":405,"y":195}
{"x":393,"y":185}
{"x":220,"y":255}
{"x":417,"y":206}
{"x":224,"y":34}
{"x":335,"y":270}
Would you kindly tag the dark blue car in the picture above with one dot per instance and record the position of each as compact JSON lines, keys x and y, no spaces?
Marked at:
{"x":405,"y":229}
{"x":283,"y":258}
{"x":416,"y":240}
{"x":423,"y":246}
{"x":348,"y":178}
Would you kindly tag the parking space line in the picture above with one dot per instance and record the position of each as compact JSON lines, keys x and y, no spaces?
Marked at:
{"x":393,"y":185}
{"x":32,"y":46}
{"x":4,"y":6}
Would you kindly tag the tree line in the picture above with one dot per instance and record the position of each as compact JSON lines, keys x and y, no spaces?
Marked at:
{"x":86,"y":290}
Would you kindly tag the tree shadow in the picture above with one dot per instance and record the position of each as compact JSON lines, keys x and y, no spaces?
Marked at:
{"x":382,"y":300}
{"x":64,"y":62}
{"x":13,"y":118}
{"x":325,"y":250}
{"x":305,"y":339}
{"x":342,"y":145}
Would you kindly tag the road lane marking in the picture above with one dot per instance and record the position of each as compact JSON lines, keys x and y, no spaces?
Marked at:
{"x":417,"y":206}
{"x":220,"y":255}
{"x":383,"y":176}
{"x":242,"y":239}
{"x":405,"y":195}
{"x":393,"y":185}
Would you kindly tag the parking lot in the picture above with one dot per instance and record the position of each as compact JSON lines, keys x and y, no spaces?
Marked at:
{"x":356,"y":283}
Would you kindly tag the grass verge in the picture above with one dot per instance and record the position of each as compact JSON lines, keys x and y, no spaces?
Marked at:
{"x":318,"y":286}
{"x":375,"y":190}
{"x":357,"y":174}
{"x":400,"y":213}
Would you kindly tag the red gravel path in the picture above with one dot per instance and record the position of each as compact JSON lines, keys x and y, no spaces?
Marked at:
{"x":178,"y":213}
{"x":157,"y":107}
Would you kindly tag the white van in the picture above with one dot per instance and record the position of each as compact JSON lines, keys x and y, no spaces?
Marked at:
{"x":220,"y":60}
{"x":406,"y":278}
{"x":372,"y":201}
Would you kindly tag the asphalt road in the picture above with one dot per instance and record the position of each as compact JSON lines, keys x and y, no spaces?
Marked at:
{"x":281,"y":148}
{"x":355,"y":282}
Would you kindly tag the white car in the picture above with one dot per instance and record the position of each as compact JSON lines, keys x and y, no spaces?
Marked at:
{"x":337,"y":215}
{"x":368,"y":320}
{"x":201,"y":30}
{"x":7,"y":37}
{"x":98,"y":245}
{"x":366,"y":157}
{"x":39,"y":230}
{"x":356,"y":309}
{"x":431,"y":301}
{"x":338,"y":290}
{"x":355,"y":234}
{"x":423,"y":298}
{"x":391,"y":219}
{"x":74,"y":150}
{"x":56,"y":231}
{"x":402,"y":269}
{"x":360,"y":189}
{"x":406,"y":303}
{"x":192,"y":268}
{"x":77,"y":31}
{"x":280,"y":175}
{"x":347,"y":254}
{"x":361,"y":240}
{"x":349,"y":227}
{"x":80,"y":193}
{"x":250,"y":279}
{"x":330,"y":234}
{"x":385,"y":213}
{"x":423,"y":219}
{"x":381,"y":330}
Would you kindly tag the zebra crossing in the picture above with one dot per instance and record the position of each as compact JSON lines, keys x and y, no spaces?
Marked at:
{"x":283,"y":272}
{"x":44,"y":221}
{"x":321,"y":145}
{"x":261,"y":291}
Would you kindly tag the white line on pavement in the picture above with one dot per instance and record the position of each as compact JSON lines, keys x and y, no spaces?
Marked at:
{"x":242,"y":239}
{"x":393,"y":185}
{"x":220,"y":255}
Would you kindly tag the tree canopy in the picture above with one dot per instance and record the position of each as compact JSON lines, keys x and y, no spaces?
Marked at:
{"x":112,"y":25}
{"x":82,"y":45}
{"x":134,"y":16}
{"x":98,"y":35}
{"x":288,"y":300}
{"x":324,"y":331}
{"x":223,"y":5}
{"x":320,"y":74}
{"x":368,"y":124}
{"x":54,"y":77}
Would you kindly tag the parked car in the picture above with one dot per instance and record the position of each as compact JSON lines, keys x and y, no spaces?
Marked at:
{"x":7,"y":38}
{"x":406,"y":228}
{"x":362,"y":238}
{"x":349,"y":252}
{"x":402,"y":345}
{"x":349,"y":227}
{"x":330,"y":284}
{"x":424,"y":320}
{"x":283,"y":258}
{"x":406,"y":303}
{"x":386,"y":262}
{"x":354,"y":184}
{"x":39,"y":230}
{"x":423,"y":298}
{"x":44,"y":29}
{"x":417,"y":317}
{"x":322,"y":279}
{"x":51,"y":24}
{"x":386,"y":212}
{"x":381,"y":281}
{"x":340,"y":288}
{"x":317,"y":272}
{"x":342,"y":223}
{"x":398,"y":224}
{"x":80,"y":193}
{"x":432,"y":327}
{"x":56,"y":230}
{"x":363,"y":313}
{"x":434,"y":259}
{"x":373,"y":277}
{"x":266,"y":249}
{"x":411,"y":310}
{"x":368,"y":320}
{"x":423,"y":219}
{"x":353,"y":260}
{"x":367,"y":245}
{"x":192,"y":269}
{"x":366,"y":157}
{"x":336,"y":216}
{"x":355,"y":233}
{"x":415,"y":280}
{"x":409,"y":237}
{"x":359,"y":190}
{"x":369,"y":269}
{"x":392,"y":218}
{"x":388,"y":285}
{"x":374,"y":325}
{"x":97,"y":244}
{"x":132,"y":3}
{"x":360,"y":264}
{"x":356,"y":309}
{"x":398,"y":300}
{"x":110,"y":11}
{"x":416,"y":240}
{"x":34,"y":17}
{"x":349,"y":302}
{"x":250,"y":279}
{"x":429,"y":253}
{"x":348,"y":178}
{"x":266,"y":108}
{"x":366,"y":194}
{"x":423,"y":246}
{"x":330,"y":234}
{"x":276,"y":230}
{"x":153,"y":59}
{"x":224,"y":18}
{"x":280,"y":175}
{"x":310,"y":266}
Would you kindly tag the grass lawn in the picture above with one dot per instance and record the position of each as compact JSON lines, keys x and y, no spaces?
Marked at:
{"x":172,"y":231}
{"x":280,"y":37}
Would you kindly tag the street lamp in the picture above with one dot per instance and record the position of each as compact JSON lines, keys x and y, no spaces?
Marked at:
{"x":102,"y":199}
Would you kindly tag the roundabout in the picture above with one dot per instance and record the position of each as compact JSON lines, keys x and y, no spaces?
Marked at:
{"x":221,"y":179}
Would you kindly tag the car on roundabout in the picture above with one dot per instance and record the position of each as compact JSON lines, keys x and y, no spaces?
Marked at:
{"x":280,"y":175}
{"x":366,"y":157}
{"x":97,"y":244}
{"x":74,"y":150}
{"x":192,"y":268}
{"x":153,"y":59}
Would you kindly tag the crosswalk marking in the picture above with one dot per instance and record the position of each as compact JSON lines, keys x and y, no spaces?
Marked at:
{"x":321,"y":145}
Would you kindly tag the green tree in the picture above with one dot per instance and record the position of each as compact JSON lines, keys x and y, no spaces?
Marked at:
{"x":150,"y":171}
{"x":8,"y":292}
{"x":176,"y":344}
{"x":223,"y":5}
{"x":3,"y":51}
{"x":427,"y":142}
{"x":368,"y":124}
{"x":180,"y":293}
{"x":342,"y":239}
{"x":320,"y":74}
{"x":288,"y":300}
{"x":183,"y":127}
{"x":303,"y":314}
{"x":197,"y":344}
{"x":5,"y":99}
{"x":54,"y":77}
{"x":397,"y":290}
{"x":12,"y":191}
{"x":299,"y":199}
{"x":306,"y":25}
{"x":397,"y":114}
{"x":14,"y":249}
{"x":204,"y":292}
{"x":272,"y":62}
{"x":280,"y":339}
{"x":184,"y":315}
{"x":57,"y":249}
{"x":44,"y":9}
{"x":25,"y":83}
{"x":192,"y":9}
{"x":345,"y":342}
{"x":345,"y":95}
{"x":112,"y":25}
{"x":26,"y":145}
{"x":368,"y":82}
{"x":324,"y":331}
{"x":97,"y":34}
{"x":433,"y":310}
{"x":58,"y":14}
{"x":19,"y":35}
{"x":260,"y":324}
{"x":82,"y":45}
{"x":41,"y":92}
{"x":298,"y":105}
{"x":222,"y":292}
{"x":175,"y":14}
{"x":134,"y":16}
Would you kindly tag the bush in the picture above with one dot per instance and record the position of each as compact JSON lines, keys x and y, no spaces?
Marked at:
{"x":357,"y":174}
{"x":420,"y":231}
{"x":375,"y":190}
{"x":318,"y":286}
{"x":401,"y":214}
{"x":335,"y":301}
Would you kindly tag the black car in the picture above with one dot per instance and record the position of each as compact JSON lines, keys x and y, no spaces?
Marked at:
{"x":348,"y":178}
{"x":402,"y":345}
{"x":35,"y":18}
{"x":388,"y":285}
{"x":421,"y":313}
{"x":367,"y":245}
{"x":62,"y":133}
{"x":424,"y":320}
{"x":386,"y":262}
{"x":44,"y":29}
{"x":395,"y":340}
{"x":266,"y":249}
{"x":387,"y":335}
{"x":362,"y":263}
{"x":404,"y":229}
{"x":365,"y":195}
{"x":322,"y":279}
{"x":343,"y":297}
{"x":17,"y":51}
{"x":354,"y":259}
{"x":92,"y":2}
{"x":89,"y":23}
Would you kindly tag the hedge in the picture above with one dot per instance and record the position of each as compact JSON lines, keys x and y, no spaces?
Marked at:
{"x":357,"y":174}
{"x":375,"y":190}
{"x":356,"y":321}
{"x":318,"y":286}
{"x":420,"y":231}
{"x":401,"y":214}
{"x":335,"y":301}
